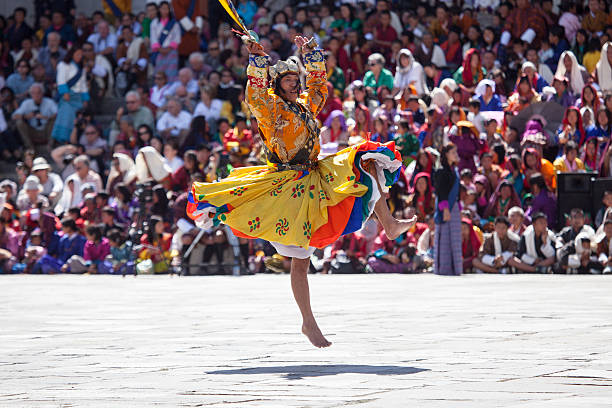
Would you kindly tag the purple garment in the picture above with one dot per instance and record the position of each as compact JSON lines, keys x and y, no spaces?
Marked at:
{"x":467,"y":148}
{"x":566,"y":100}
{"x":96,"y":252}
{"x":336,"y":114}
{"x":544,"y":202}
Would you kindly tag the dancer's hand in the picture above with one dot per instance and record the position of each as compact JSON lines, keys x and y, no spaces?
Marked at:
{"x":255,"y":48}
{"x":304,"y":44}
{"x":446,"y":216}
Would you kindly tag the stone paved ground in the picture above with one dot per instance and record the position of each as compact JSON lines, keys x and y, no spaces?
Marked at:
{"x":399,"y":341}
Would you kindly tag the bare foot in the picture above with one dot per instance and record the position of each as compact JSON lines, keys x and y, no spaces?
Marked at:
{"x":399,"y":227}
{"x":315,"y":336}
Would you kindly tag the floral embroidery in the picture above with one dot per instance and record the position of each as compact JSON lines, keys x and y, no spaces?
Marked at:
{"x":276,"y":192}
{"x":310,"y":191}
{"x":238,"y":191}
{"x":282,"y":226}
{"x":307,"y":229}
{"x":329,"y":178}
{"x":278,"y":180}
{"x":298,"y":190}
{"x":254,"y":224}
{"x":323,"y":195}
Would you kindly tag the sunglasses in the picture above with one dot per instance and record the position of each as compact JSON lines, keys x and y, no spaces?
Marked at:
{"x":213,"y":49}
{"x":143,"y":133}
{"x":91,"y":133}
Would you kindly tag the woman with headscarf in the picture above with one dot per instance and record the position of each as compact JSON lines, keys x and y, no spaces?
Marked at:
{"x":421,"y":196}
{"x":468,"y":143}
{"x":603,"y":69}
{"x":569,"y":67}
{"x":470,"y":243}
{"x":534,"y":163}
{"x":409,"y":72}
{"x":122,"y":170}
{"x":590,"y":156}
{"x":489,"y":101}
{"x":504,"y":198}
{"x":523,"y":95}
{"x":335,"y":129}
{"x":601,"y":127}
{"x":571,"y":128}
{"x":471,"y":71}
{"x":448,"y":256}
{"x":424,"y":163}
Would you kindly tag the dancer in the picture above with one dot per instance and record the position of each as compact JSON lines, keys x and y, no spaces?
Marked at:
{"x":297,"y":202}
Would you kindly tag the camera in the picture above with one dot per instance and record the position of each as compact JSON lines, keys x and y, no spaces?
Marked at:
{"x":144,"y":192}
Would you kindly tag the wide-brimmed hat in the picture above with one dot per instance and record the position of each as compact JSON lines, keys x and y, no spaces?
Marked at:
{"x":32,"y":183}
{"x":40,"y":163}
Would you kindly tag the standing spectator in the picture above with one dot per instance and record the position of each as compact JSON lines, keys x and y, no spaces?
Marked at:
{"x":51,"y":55}
{"x":165,"y":38}
{"x":74,"y":93}
{"x":189,"y":14}
{"x":447,"y":245}
{"x":150,"y":15}
{"x":595,"y":21}
{"x":20,"y":81}
{"x":429,"y":52}
{"x":132,"y":59}
{"x":35,"y":117}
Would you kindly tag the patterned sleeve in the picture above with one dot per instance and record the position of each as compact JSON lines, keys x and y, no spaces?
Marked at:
{"x":316,"y":80}
{"x":260,"y":101}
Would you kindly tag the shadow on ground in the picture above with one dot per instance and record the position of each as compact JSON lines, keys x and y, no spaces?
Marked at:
{"x":296,"y":372}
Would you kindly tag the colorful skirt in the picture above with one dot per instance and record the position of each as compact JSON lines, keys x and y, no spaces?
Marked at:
{"x":299,"y":209}
{"x":168,"y":64}
{"x":448,"y":255}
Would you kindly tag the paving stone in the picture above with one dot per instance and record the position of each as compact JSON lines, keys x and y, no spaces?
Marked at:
{"x":517,"y":341}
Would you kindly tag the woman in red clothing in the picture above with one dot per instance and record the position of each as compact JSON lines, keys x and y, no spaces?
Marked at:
{"x":421,"y":197}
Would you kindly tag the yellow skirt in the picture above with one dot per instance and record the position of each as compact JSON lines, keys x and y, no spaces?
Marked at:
{"x":310,"y":208}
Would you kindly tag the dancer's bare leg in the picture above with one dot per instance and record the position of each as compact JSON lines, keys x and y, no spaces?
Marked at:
{"x":299,"y":284}
{"x":393,"y":227}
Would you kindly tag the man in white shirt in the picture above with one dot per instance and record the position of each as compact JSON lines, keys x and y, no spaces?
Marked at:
{"x":35,"y":117}
{"x":174,"y":122}
{"x":185,"y":78}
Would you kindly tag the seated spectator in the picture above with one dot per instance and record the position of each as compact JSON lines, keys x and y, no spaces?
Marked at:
{"x":470,"y":243}
{"x":31,"y":195}
{"x":20,"y":81}
{"x":171,"y":150}
{"x":72,"y":194}
{"x":132,"y":60}
{"x":421,"y":196}
{"x":209,"y":106}
{"x":543,"y":200}
{"x":577,"y":226}
{"x":92,"y":142}
{"x":576,"y":74}
{"x":185,"y":79}
{"x":108,"y":221}
{"x":51,"y":55}
{"x":489,"y":101}
{"x":156,"y":245}
{"x":120,"y":259}
{"x":35,"y":117}
{"x":59,"y":25}
{"x":504,"y":198}
{"x":571,"y":127}
{"x":569,"y":162}
{"x":139,"y":115}
{"x":161,"y":89}
{"x":577,"y":256}
{"x":95,"y":251}
{"x":174,"y":122}
{"x":470,"y":73}
{"x":51,"y":182}
{"x":604,"y":247}
{"x":377,"y":75}
{"x":239,"y":138}
{"x":67,"y":244}
{"x":409,"y":72}
{"x":536,"y":249}
{"x":498,"y":249}
{"x":347,"y":255}
{"x":523,"y":95}
{"x":334,"y":130}
{"x":475,"y":116}
{"x":537,"y":82}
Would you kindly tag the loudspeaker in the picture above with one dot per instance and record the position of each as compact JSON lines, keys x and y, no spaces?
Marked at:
{"x":600,"y":186}
{"x":574,"y":190}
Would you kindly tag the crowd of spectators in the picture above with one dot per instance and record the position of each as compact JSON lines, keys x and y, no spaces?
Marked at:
{"x":524,"y":89}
